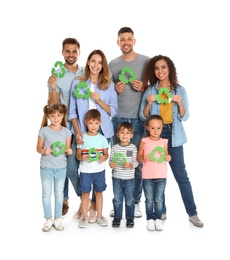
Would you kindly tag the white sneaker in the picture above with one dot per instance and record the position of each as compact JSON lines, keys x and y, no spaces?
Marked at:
{"x":111,"y":213}
{"x":83,"y":222}
{"x":58,"y":224}
{"x":150,"y":225}
{"x":163,"y":217}
{"x":137,"y":212}
{"x":159,"y":225}
{"x":102,"y":221}
{"x":48,"y":225}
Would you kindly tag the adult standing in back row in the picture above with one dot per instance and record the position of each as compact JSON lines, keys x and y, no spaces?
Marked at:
{"x":127,"y":73}
{"x":59,"y":92}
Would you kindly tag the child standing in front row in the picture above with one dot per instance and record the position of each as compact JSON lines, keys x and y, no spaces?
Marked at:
{"x":54,"y":141}
{"x":123,"y":162}
{"x":92,"y":155}
{"x":153,"y":153}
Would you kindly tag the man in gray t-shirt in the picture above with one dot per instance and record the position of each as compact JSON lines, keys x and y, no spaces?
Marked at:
{"x":127,"y":73}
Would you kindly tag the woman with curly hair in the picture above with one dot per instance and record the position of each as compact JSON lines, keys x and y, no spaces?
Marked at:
{"x":164,"y":96}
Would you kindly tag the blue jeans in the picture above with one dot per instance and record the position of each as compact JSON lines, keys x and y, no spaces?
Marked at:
{"x":138,"y":134}
{"x":179,"y":171}
{"x":72,"y":171}
{"x":123,"y":189}
{"x":154,"y":197}
{"x":52,"y":177}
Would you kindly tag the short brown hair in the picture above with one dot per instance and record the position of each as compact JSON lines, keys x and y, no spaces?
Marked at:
{"x":125,"y":125}
{"x":93,"y":114}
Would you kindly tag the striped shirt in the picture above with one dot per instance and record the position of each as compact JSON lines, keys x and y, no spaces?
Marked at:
{"x":128,"y":152}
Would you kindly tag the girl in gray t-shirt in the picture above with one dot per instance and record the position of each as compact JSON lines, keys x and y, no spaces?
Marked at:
{"x":54,"y":142}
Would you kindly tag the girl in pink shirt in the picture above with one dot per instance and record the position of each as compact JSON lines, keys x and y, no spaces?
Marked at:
{"x":153,"y":153}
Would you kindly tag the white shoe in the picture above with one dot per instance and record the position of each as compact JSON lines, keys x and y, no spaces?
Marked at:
{"x":150,"y":225}
{"x":48,"y":225}
{"x":163,"y":217}
{"x":58,"y":224}
{"x":102,"y":221}
{"x":137,"y":212}
{"x":111,"y":213}
{"x":159,"y":225}
{"x":83,"y":222}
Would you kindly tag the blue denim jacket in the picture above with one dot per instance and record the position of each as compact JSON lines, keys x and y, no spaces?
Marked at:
{"x":178,"y":132}
{"x":79,"y":106}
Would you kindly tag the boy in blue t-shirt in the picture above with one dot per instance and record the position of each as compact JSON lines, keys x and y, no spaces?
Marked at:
{"x":92,"y":155}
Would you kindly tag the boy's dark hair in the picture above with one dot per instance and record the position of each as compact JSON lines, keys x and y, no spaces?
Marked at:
{"x":125,"y":30}
{"x":125,"y":125}
{"x":70,"y":41}
{"x":93,"y":114}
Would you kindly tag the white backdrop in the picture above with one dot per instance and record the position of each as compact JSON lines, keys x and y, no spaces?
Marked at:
{"x":195,"y":35}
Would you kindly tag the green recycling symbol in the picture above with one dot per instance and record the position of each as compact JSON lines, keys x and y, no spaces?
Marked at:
{"x":167,"y":93}
{"x":153,"y":153}
{"x":127,"y":71}
{"x":78,"y":90}
{"x":58,"y":148}
{"x":93,"y":151}
{"x":119,"y":158}
{"x":54,"y":71}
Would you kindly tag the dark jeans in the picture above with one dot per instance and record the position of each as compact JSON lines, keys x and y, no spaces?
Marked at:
{"x":137,"y":136}
{"x":179,"y":171}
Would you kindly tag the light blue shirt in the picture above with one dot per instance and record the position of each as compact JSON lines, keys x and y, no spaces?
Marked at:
{"x":79,"y":106}
{"x":178,"y":132}
{"x":64,"y":86}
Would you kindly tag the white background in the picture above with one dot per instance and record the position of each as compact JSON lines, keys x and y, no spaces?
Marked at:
{"x":195,"y":35}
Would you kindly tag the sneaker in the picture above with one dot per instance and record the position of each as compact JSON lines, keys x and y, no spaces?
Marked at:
{"x":163,"y":216}
{"x":48,"y":225}
{"x":116,"y":222}
{"x":92,"y":216}
{"x":137,"y":212}
{"x":129,"y":223}
{"x":196,"y":221}
{"x":83,"y":222}
{"x":102,"y":221}
{"x":111,"y":213}
{"x":78,"y":214}
{"x":150,"y":225}
{"x":65,"y":208}
{"x":58,"y":224}
{"x":159,"y":224}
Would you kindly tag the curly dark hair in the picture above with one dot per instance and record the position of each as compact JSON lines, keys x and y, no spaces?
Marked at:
{"x":149,"y":75}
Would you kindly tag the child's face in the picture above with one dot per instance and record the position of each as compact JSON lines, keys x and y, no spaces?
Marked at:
{"x":92,"y":125}
{"x":155,"y":128}
{"x":56,"y":118}
{"x":124,"y":135}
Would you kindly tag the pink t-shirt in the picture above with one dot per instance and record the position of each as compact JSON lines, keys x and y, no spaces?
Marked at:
{"x":151,"y":169}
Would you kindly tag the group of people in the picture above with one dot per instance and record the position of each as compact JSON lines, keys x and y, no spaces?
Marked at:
{"x":134,"y":105}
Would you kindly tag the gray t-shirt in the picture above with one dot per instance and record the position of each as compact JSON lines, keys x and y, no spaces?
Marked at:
{"x":129,"y":100}
{"x":50,"y":137}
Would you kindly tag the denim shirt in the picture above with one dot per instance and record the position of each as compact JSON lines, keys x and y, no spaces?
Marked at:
{"x":178,"y":132}
{"x":79,"y":106}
